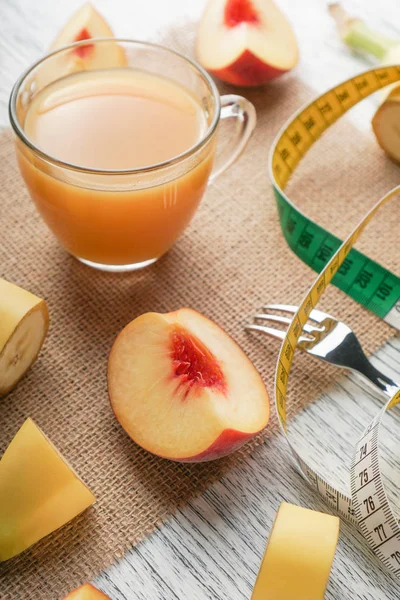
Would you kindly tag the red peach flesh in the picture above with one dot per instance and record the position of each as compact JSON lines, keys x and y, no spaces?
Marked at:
{"x":240,"y":11}
{"x":85,"y":49}
{"x":194,"y":364}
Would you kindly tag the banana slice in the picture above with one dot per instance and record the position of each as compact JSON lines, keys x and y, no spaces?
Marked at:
{"x":386,"y":126}
{"x":24,"y":321}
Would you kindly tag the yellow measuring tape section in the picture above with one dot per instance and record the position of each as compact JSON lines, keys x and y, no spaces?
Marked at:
{"x":369,"y":283}
{"x":286,"y":354}
{"x":310,"y":122}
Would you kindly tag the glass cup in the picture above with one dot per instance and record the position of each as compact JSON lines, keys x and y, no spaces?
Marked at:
{"x":122,"y":220}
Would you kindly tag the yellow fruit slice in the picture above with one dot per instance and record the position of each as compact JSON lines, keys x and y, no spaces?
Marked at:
{"x":39,"y":492}
{"x":385,"y":125}
{"x":24,"y":321}
{"x":299,"y":555}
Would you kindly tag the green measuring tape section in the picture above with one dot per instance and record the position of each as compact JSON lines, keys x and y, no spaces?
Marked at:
{"x":361,"y":278}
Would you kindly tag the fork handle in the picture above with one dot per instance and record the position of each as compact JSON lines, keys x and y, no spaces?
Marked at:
{"x":357,"y":361}
{"x":378,"y":379}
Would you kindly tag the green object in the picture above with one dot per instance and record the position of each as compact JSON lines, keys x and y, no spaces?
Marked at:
{"x":362,"y":38}
{"x":361,"y":278}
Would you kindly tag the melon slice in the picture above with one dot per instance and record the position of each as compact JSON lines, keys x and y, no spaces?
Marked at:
{"x":39,"y":491}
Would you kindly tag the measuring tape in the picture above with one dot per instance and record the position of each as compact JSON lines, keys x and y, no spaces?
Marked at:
{"x":370,"y":284}
{"x":364,"y":280}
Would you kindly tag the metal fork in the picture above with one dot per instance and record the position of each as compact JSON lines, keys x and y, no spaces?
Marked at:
{"x":327,"y":338}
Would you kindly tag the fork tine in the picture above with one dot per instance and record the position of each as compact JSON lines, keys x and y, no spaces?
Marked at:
{"x":316,"y":315}
{"x":285,"y":307}
{"x":276,"y":333}
{"x":286,"y":321}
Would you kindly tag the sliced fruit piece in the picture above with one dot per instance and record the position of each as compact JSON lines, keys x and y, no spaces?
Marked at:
{"x":86,"y":592}
{"x":385,"y":125}
{"x":183,"y":389}
{"x":24,"y":321}
{"x":85,"y":24}
{"x":39,"y":491}
{"x":299,"y":555}
{"x":246,"y":42}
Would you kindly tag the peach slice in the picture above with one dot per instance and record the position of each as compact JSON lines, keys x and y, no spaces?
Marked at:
{"x":85,"y":24}
{"x":183,"y":389}
{"x":86,"y":592}
{"x":246,"y":42}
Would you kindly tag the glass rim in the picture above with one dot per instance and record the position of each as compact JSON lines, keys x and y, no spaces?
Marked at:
{"x":18,"y":130}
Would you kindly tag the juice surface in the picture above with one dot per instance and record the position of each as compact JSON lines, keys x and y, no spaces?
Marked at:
{"x":115,"y":119}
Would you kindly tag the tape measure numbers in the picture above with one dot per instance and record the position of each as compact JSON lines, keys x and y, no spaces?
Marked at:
{"x":363,"y":279}
{"x":367,"y":282}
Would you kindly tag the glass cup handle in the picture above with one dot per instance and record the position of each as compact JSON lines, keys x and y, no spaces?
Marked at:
{"x":235,"y":107}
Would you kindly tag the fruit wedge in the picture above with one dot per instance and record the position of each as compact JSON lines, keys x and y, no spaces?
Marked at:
{"x":363,"y":39}
{"x":183,"y":389}
{"x":299,"y":555}
{"x":385,"y":125}
{"x":86,"y":592}
{"x":85,"y":24}
{"x":39,"y":491}
{"x":24,"y":321}
{"x":246,"y":42}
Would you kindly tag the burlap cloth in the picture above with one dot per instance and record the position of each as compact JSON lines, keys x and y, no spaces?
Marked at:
{"x":231,"y":260}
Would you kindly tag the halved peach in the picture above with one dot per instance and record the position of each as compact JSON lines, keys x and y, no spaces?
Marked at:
{"x":246,"y":42}
{"x":183,"y":389}
{"x":86,"y":592}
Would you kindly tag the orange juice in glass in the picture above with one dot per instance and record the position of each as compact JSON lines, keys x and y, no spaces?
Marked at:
{"x":117,"y":159}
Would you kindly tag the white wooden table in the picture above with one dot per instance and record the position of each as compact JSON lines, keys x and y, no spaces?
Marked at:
{"x":212,"y":548}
